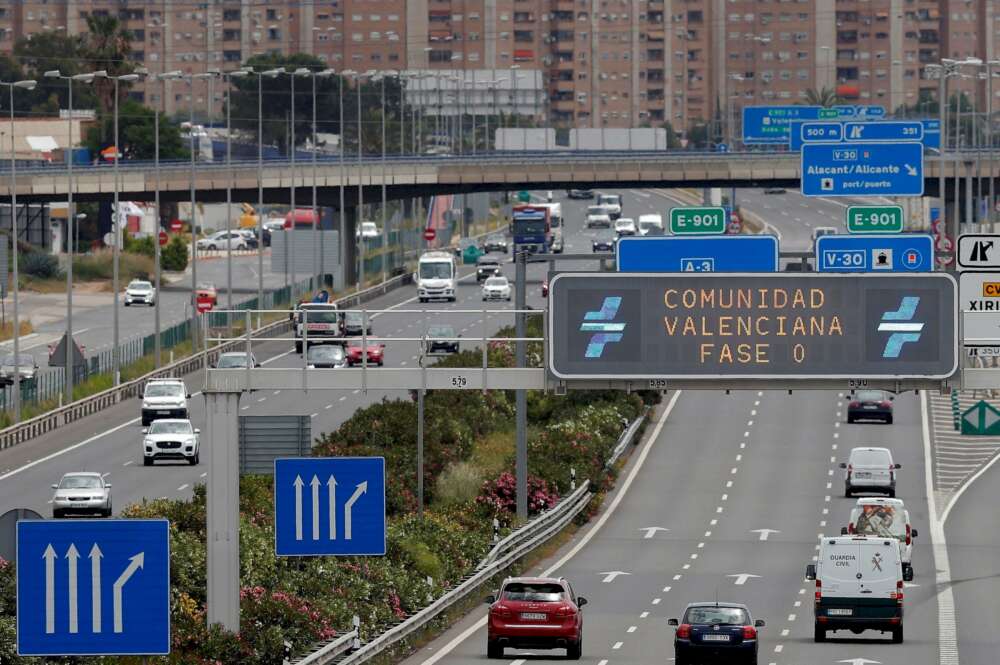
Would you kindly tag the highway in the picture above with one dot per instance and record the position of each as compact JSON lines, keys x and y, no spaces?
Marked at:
{"x":714,"y":471}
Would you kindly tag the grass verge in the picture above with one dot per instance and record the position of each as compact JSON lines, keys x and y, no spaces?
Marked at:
{"x":7,"y":330}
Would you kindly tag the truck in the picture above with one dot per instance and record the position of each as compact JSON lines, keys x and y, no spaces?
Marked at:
{"x":317,"y":323}
{"x":531,"y":228}
{"x":555,"y":225}
{"x":435,"y":276}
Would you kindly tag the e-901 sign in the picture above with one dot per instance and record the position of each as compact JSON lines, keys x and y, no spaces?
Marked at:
{"x":698,"y":221}
{"x":874,"y":219}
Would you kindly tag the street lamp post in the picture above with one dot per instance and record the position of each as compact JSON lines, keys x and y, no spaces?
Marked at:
{"x":385,"y":216}
{"x":317,"y":254}
{"x":69,"y":357}
{"x":163,"y":78}
{"x":270,"y":73}
{"x":229,"y":195}
{"x":24,"y":85}
{"x":116,"y":231}
{"x":342,"y":238}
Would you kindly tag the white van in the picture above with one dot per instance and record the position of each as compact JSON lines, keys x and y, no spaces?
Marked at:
{"x":649,"y":222}
{"x":613,"y":202}
{"x":869,"y":469}
{"x":884,"y":518}
{"x":859,"y":586}
{"x":435,"y":276}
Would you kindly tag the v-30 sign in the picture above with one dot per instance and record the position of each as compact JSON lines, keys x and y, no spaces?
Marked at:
{"x":752,"y":326}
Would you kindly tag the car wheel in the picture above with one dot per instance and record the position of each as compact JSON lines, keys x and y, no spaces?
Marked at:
{"x":194,"y":460}
{"x":848,"y":492}
{"x":126,"y":303}
{"x":147,"y":461}
{"x":752,"y":660}
{"x":211,"y":248}
{"x":56,"y":514}
{"x":107,"y":512}
{"x":575,"y":650}
{"x":679,"y":659}
{"x":298,"y":347}
{"x":493,"y":650}
{"x":892,"y":492}
{"x":242,"y":247}
{"x":152,"y":303}
{"x":850,"y":420}
{"x":819,"y":633}
{"x":888,"y":420}
{"x":897,"y":635}
{"x":423,"y":299}
{"x":380,"y":363}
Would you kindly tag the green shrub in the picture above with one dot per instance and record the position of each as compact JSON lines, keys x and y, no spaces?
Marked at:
{"x":421,"y":558}
{"x":459,"y":484}
{"x":144,"y":245}
{"x":37,"y":264}
{"x":174,"y":256}
{"x":100,"y":266}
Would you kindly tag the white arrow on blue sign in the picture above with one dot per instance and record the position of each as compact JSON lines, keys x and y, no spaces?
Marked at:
{"x":332,"y":506}
{"x":863,"y":169}
{"x":93,"y":587}
{"x":884,"y":131}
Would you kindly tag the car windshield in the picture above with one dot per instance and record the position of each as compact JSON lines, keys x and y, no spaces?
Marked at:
{"x":495,"y":240}
{"x":869,"y":458}
{"x":538,"y":593}
{"x":325,"y":354}
{"x":232,"y":360}
{"x":368,"y":226}
{"x":206,"y":287}
{"x":435,"y":270}
{"x":596,"y":210}
{"x":354,"y":318}
{"x":80,"y":483}
{"x":870,"y":396}
{"x":496,"y":281}
{"x":319,"y":315}
{"x":716,"y":616}
{"x":624,"y":223}
{"x":440,"y":331}
{"x":488,"y":265}
{"x":168,"y":427}
{"x":140,"y":286}
{"x":608,"y":199}
{"x":26,"y":360}
{"x":879,"y":520}
{"x":164,"y":390}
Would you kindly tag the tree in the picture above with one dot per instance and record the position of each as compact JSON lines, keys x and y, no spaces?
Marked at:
{"x":825,"y":97}
{"x":52,"y":50}
{"x":174,"y":256}
{"x":136,"y":126}
{"x":672,"y":140}
{"x":108,"y":46}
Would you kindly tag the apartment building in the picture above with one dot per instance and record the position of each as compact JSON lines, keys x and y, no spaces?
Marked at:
{"x":600,"y":62}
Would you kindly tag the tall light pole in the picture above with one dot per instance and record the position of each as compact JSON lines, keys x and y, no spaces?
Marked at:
{"x":989,"y":135}
{"x":270,"y":73}
{"x":317,"y":255}
{"x":385,"y":216}
{"x":513,"y":78}
{"x":163,"y":78}
{"x":342,"y":237}
{"x":117,"y":231}
{"x":361,"y":193}
{"x":24,"y":85}
{"x":69,"y":356}
{"x":229,"y":193}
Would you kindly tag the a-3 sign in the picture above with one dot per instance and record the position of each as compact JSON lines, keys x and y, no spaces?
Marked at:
{"x":329,"y":506}
{"x":752,"y":326}
{"x":93,"y":587}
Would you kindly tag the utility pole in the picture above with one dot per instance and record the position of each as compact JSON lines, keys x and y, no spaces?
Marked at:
{"x":521,"y":396}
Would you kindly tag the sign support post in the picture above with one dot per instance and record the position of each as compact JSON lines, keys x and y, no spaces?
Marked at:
{"x":223,"y":508}
{"x":521,"y":396}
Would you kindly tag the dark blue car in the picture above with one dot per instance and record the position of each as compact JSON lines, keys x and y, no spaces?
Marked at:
{"x":716,"y":633}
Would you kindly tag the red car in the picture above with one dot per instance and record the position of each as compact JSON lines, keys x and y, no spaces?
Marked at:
{"x":375,"y":354}
{"x":535,"y":613}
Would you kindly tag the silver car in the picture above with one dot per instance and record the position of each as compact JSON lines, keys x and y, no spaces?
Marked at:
{"x":235,"y":359}
{"x":174,"y":439}
{"x":27,"y":367}
{"x":140,"y":292}
{"x":82,"y":493}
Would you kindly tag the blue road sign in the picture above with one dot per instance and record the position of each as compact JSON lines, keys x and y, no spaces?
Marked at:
{"x":909,"y":130}
{"x":770,"y":124}
{"x":722,"y":147}
{"x":846,"y":111}
{"x":814,"y":131}
{"x":932,"y":133}
{"x":329,"y":506}
{"x":869,"y":111}
{"x":93,"y":587}
{"x":697,"y":254}
{"x":863,"y":169}
{"x":875,"y":253}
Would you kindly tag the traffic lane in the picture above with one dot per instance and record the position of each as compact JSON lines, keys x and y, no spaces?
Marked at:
{"x":920,"y":607}
{"x":973,"y":543}
{"x":775,"y":482}
{"x":675,"y":490}
{"x":794,"y":216}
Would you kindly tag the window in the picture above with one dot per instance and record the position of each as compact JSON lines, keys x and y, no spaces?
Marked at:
{"x":272,"y":15}
{"x":274,"y":34}
{"x":230,"y":15}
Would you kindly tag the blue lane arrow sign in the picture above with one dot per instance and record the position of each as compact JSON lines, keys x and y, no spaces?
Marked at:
{"x":911,"y":252}
{"x":93,"y":587}
{"x":329,"y":506}
{"x":697,"y":254}
{"x":884,"y":131}
{"x":863,"y":169}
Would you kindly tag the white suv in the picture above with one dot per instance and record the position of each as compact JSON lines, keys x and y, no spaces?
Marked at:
{"x":173,"y":438}
{"x":140,"y":292}
{"x":164,"y":398}
{"x":870,"y":469}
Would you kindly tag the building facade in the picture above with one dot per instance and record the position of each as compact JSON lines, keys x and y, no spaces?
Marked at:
{"x":612,"y":63}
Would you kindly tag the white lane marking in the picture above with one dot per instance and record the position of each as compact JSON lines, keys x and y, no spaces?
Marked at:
{"x":261,"y":399}
{"x":708,"y":534}
{"x":631,"y":629}
{"x":666,"y":589}
{"x":729,"y":483}
{"x":328,"y":406}
{"x":128,"y":463}
{"x":182,"y":487}
{"x":733,"y":470}
{"x":618,"y":645}
{"x":798,"y":603}
{"x":753,"y":412}
{"x":743,"y":445}
{"x":644,"y":615}
{"x":343,"y":398}
{"x":277,"y":392}
{"x":749,"y":423}
{"x":718,"y":509}
{"x":778,"y":648}
{"x":403,"y":363}
{"x":739,"y":457}
{"x":70,"y":448}
{"x":356,"y":392}
{"x":676,"y":577}
{"x":714,"y":522}
{"x":791,"y":617}
{"x":587,"y":537}
{"x":204,"y":475}
{"x":701,"y":545}
{"x":244,"y":408}
{"x":746,"y":435}
{"x":947,"y":630}
{"x":519,"y":661}
{"x":725,"y":497}
{"x":784,"y":632}
{"x":656,"y":601}
{"x":313,"y":415}
{"x":686,"y":566}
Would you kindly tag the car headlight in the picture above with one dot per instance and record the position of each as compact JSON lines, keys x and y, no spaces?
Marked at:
{"x":147,"y":442}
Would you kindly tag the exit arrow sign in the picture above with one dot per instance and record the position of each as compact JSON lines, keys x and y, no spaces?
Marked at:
{"x":874,"y":219}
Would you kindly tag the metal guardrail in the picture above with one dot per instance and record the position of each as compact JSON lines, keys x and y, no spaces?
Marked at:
{"x":331,"y":650}
{"x":62,"y":416}
{"x":543,"y":527}
{"x":625,"y":439}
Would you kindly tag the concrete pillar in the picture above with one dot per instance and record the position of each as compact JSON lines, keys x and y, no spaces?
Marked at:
{"x":223,"y":507}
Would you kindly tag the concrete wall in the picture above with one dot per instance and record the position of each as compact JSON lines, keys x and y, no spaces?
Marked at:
{"x":298,"y":247}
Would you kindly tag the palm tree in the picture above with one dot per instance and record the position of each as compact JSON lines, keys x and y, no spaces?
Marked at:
{"x":108,"y":46}
{"x":825,"y":97}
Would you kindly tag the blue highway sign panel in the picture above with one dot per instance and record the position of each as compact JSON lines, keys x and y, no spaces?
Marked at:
{"x":875,"y":253}
{"x":814,"y":131}
{"x":863,"y":169}
{"x":884,"y":131}
{"x":333,"y":506}
{"x":698,"y":254}
{"x":93,"y":587}
{"x":770,"y":124}
{"x":869,"y":111}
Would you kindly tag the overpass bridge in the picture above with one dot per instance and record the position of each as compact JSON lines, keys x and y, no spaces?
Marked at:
{"x":412,"y":176}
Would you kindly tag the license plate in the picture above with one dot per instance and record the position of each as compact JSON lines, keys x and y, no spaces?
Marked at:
{"x":715,"y":638}
{"x":863,"y":474}
{"x":533,"y":616}
{"x":163,"y":413}
{"x":840,"y":612}
{"x":870,"y":406}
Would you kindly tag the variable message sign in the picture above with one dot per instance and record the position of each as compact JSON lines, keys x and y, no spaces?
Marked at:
{"x":752,"y":326}
{"x":698,"y":221}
